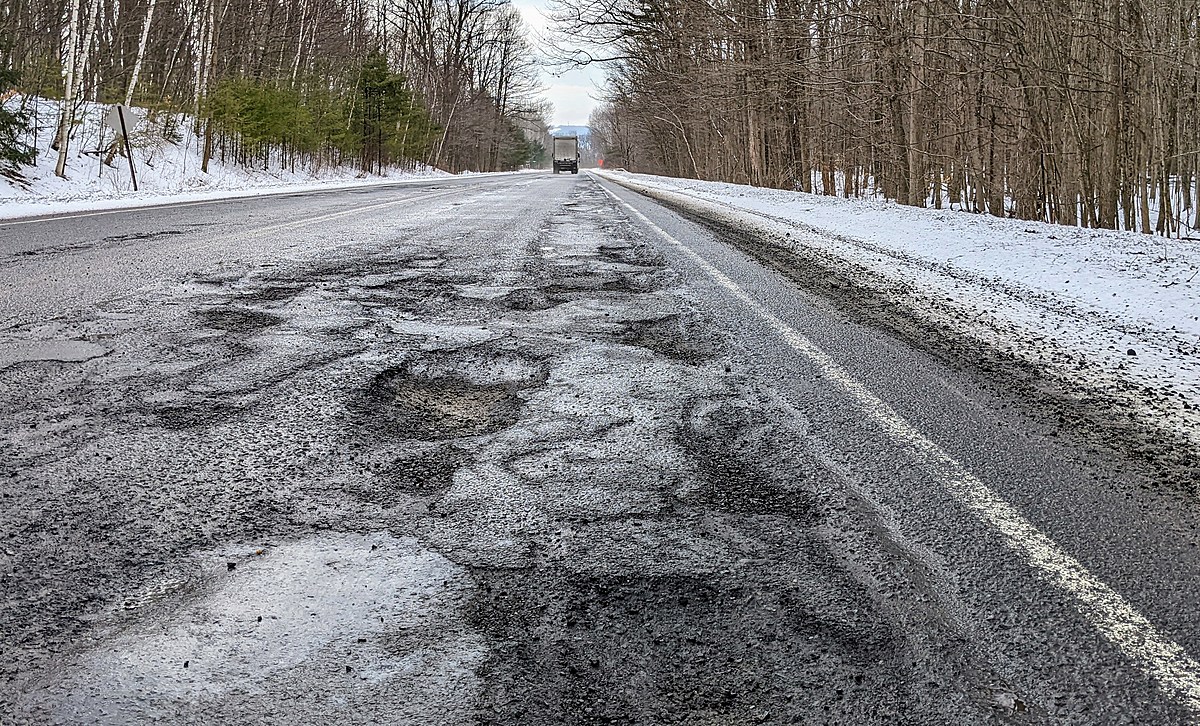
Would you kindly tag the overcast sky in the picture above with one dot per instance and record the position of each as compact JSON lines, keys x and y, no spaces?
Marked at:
{"x":574,"y":93}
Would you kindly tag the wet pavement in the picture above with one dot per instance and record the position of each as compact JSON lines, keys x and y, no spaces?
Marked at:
{"x":492,"y":451}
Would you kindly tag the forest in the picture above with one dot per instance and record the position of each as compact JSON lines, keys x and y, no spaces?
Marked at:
{"x":375,"y":83}
{"x":1080,"y":112}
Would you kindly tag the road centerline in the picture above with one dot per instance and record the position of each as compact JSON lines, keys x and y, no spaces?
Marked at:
{"x":416,"y":183}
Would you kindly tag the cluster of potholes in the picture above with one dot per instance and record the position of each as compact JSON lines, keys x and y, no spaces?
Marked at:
{"x":240,"y":313}
{"x":790,"y":638}
{"x":777,"y":632}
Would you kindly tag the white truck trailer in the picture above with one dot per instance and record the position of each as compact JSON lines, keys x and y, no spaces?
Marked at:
{"x":566,"y":154}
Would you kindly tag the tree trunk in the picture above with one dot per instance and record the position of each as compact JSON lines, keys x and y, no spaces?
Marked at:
{"x":66,"y":117}
{"x":141,"y":53}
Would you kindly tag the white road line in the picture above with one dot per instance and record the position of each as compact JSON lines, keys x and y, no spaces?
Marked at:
{"x":280,"y":226}
{"x":337,"y":215}
{"x":202,"y":202}
{"x":14,"y":221}
{"x":1132,"y":633}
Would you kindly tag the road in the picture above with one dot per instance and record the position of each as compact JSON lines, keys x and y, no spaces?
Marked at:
{"x":534,"y":449}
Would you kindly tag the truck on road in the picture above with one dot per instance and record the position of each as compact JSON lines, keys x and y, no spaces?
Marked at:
{"x":566,"y":154}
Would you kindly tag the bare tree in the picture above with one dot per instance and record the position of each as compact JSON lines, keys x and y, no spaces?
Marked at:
{"x":141,"y":52}
{"x":1079,"y":111}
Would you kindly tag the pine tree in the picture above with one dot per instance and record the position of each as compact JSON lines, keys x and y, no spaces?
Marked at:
{"x":388,"y":124}
{"x":14,"y":152}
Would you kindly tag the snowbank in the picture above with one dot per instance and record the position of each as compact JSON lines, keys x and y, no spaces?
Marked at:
{"x":1116,"y":315}
{"x":167,"y":166}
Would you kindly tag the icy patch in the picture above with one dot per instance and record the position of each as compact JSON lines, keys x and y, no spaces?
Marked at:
{"x":485,"y":292}
{"x":317,"y":628}
{"x":458,"y":334}
{"x":63,"y":351}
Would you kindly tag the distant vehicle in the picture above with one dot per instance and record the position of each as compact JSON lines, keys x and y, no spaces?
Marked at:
{"x":566,"y":154}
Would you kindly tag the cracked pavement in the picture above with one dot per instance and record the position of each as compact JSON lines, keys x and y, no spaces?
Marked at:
{"x":489,"y":451}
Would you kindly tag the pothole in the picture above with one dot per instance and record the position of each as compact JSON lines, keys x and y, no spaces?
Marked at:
{"x":425,"y":471}
{"x":640,"y":281}
{"x":739,"y":471}
{"x":274,"y":293}
{"x":430,"y":408}
{"x":426,"y":295}
{"x":573,"y":287}
{"x":421,"y":470}
{"x":238,"y":320}
{"x":526,"y":299}
{"x":680,"y":337}
{"x":425,"y":262}
{"x":141,"y":236}
{"x":633,"y":254}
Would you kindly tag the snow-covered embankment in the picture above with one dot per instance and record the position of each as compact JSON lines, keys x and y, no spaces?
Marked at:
{"x":167,"y":160}
{"x":1112,"y":317}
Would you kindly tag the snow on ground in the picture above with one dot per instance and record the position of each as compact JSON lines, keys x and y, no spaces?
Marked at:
{"x":1115,"y":313}
{"x":167,"y":167}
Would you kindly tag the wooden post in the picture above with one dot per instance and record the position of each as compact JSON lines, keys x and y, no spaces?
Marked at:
{"x":128,"y":150}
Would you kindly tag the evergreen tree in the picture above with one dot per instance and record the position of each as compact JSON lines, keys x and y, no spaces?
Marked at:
{"x":388,"y":124}
{"x":517,"y":151}
{"x":537,"y":155}
{"x":14,"y":152}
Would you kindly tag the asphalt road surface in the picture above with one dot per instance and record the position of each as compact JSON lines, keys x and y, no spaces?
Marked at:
{"x":533,"y":449}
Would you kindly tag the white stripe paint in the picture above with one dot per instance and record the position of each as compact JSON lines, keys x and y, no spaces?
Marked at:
{"x":14,"y":221}
{"x":237,"y":197}
{"x":251,"y":234}
{"x":1177,"y":673}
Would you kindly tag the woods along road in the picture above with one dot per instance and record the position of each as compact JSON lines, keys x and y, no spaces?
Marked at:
{"x":535,"y":449}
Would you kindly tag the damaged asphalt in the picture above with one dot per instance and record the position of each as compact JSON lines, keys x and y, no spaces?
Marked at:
{"x":497,"y":454}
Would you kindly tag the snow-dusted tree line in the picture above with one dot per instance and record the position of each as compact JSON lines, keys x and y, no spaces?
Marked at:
{"x":377,"y":82}
{"x":1075,"y":111}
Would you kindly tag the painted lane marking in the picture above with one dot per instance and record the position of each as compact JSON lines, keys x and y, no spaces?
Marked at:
{"x":14,"y":221}
{"x":199,"y":203}
{"x":281,"y":226}
{"x":1131,"y":632}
